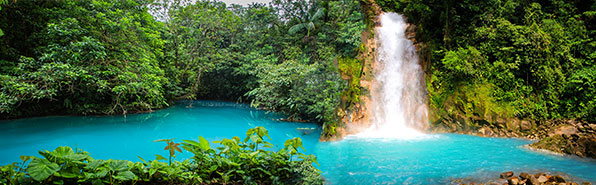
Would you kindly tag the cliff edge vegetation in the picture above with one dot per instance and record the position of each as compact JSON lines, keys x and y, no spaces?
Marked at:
{"x":509,"y":68}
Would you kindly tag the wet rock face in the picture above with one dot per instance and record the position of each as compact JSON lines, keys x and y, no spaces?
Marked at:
{"x":575,"y":138}
{"x":583,"y":145}
{"x":565,"y":130}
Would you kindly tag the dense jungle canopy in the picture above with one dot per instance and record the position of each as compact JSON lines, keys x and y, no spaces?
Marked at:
{"x":505,"y":58}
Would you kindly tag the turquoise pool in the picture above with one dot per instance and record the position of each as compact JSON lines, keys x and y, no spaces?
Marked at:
{"x":434,"y":159}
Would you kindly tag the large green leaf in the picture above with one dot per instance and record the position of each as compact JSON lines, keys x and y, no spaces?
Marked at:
{"x":191,"y":142}
{"x":125,"y":176}
{"x":62,"y":151}
{"x":75,"y":157}
{"x":117,"y":165}
{"x":40,"y":169}
{"x":62,"y":154}
{"x":68,"y":175}
{"x":102,"y":172}
{"x":213,"y":168}
{"x":88,"y":176}
{"x":93,"y":165}
{"x":203,"y":143}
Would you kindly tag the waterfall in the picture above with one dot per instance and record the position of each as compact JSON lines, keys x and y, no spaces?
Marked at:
{"x":398,"y":104}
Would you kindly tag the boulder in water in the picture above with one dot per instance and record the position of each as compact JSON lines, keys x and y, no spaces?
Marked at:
{"x":542,"y":179}
{"x":529,"y":179}
{"x":524,"y":175}
{"x":506,"y":175}
{"x":513,"y":181}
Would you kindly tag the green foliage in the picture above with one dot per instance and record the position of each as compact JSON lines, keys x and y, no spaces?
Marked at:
{"x":310,"y":24}
{"x":3,"y":2}
{"x":104,"y":57}
{"x":41,"y":169}
{"x":64,"y":166}
{"x":532,"y":56}
{"x":234,"y":162}
{"x":583,"y":82}
{"x":473,"y":101}
{"x":84,"y":57}
{"x":302,"y":91}
{"x":352,"y":69}
{"x":298,"y":77}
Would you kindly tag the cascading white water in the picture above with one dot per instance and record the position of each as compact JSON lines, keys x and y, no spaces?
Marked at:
{"x":397,"y":95}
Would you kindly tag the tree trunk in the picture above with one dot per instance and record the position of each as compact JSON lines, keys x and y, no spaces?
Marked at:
{"x":197,"y":81}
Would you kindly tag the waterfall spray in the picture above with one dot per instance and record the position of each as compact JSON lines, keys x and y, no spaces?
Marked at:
{"x":397,"y":95}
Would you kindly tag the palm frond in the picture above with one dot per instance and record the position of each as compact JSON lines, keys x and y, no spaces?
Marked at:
{"x":320,"y":13}
{"x":294,"y":29}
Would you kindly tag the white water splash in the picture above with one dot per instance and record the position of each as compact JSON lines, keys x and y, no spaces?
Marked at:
{"x":398,"y":95}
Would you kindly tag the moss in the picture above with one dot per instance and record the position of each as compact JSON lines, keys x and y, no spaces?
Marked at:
{"x":554,"y":143}
{"x":352,"y":68}
{"x":469,"y":102}
{"x":330,"y":128}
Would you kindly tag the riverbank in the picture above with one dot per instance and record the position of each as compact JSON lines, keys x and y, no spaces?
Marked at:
{"x":509,"y":178}
{"x":565,"y":136}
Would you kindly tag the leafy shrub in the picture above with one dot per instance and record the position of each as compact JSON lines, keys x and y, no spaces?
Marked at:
{"x":234,"y":161}
{"x":303,"y":92}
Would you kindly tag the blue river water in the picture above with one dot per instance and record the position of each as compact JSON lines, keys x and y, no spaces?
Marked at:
{"x":434,"y":159}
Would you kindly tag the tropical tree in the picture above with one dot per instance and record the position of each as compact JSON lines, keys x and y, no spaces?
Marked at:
{"x":310,"y":24}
